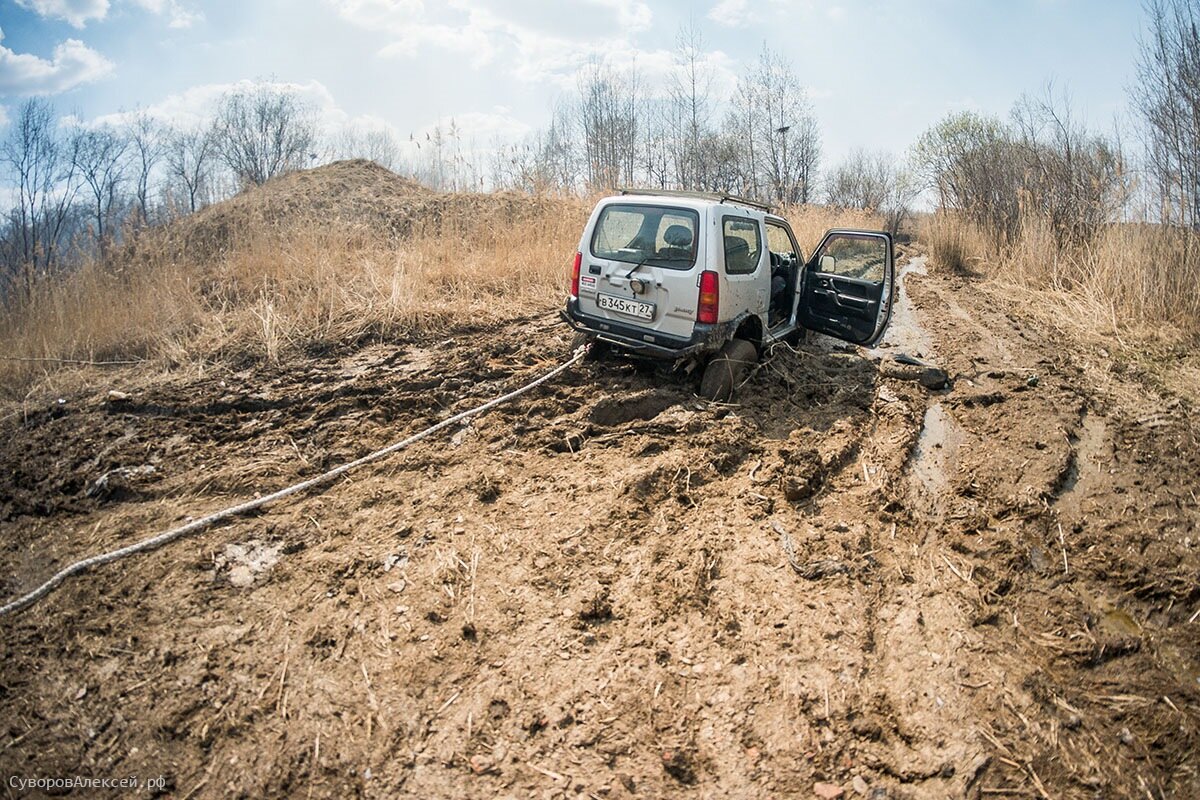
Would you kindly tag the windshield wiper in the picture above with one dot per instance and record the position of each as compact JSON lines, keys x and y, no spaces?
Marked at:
{"x":637,"y":266}
{"x":648,"y":259}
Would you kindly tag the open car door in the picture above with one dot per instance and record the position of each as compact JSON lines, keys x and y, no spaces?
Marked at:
{"x":848,"y":286}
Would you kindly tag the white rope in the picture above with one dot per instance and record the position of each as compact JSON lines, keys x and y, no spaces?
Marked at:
{"x":192,"y":527}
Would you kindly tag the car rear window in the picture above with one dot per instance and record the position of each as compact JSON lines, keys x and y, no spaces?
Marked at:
{"x":663,"y":237}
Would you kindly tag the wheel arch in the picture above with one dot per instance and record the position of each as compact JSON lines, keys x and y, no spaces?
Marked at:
{"x":749,"y":327}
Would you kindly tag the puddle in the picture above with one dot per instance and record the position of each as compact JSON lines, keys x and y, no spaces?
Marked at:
{"x":904,"y":333}
{"x":934,"y":460}
{"x":1087,"y":464}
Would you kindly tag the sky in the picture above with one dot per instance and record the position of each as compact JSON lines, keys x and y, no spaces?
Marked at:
{"x":877,"y":72}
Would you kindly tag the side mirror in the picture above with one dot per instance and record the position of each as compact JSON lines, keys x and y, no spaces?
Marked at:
{"x":829,"y":264}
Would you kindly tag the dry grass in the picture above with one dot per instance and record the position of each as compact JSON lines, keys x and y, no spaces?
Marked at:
{"x":1129,"y":277}
{"x":1129,"y":300}
{"x":279,"y":273}
{"x":809,"y":223}
{"x":287,"y":290}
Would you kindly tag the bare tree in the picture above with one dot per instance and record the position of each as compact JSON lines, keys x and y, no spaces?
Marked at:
{"x":146,"y":142}
{"x":1167,"y":93}
{"x":189,"y":157}
{"x":99,"y":155}
{"x":374,"y":144}
{"x":1072,"y":177}
{"x":975,"y":166}
{"x":864,"y":180}
{"x":775,"y":113}
{"x":45,"y":182}
{"x":608,"y":119}
{"x":690,"y":88}
{"x":263,"y":132}
{"x":545,"y":161}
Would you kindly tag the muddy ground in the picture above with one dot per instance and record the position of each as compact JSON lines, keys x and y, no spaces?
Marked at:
{"x":847,"y":582}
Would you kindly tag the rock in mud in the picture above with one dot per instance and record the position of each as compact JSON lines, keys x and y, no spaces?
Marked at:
{"x":827,"y":791}
{"x":934,"y":378}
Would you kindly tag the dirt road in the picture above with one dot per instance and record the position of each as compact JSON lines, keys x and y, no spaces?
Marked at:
{"x":846,"y":583}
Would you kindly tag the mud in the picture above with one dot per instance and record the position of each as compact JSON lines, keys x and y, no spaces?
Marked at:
{"x":610,"y":588}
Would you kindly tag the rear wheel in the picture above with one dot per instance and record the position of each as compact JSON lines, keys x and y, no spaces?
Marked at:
{"x":727,"y":369}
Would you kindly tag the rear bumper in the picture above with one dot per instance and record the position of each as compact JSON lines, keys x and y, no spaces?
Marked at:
{"x":639,"y":341}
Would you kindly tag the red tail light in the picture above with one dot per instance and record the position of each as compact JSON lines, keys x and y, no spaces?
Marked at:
{"x":710,"y":298}
{"x":575,"y":275}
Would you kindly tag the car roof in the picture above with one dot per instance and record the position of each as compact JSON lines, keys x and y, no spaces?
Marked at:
{"x":691,"y":200}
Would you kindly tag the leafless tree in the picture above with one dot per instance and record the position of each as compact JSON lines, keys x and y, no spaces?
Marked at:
{"x":864,"y":180}
{"x":146,"y":143}
{"x":43,"y":172}
{"x":608,"y":120}
{"x":263,"y":132}
{"x":875,"y":182}
{"x":99,"y":155}
{"x":374,"y":144}
{"x":1167,"y":94}
{"x":774,"y":112}
{"x":689,"y":90}
{"x":545,"y":161}
{"x":189,"y":156}
{"x":975,"y":166}
{"x":1072,"y":177}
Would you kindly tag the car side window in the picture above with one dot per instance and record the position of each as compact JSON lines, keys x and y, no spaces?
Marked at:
{"x":851,"y":256}
{"x":743,"y":245}
{"x":780,"y":242}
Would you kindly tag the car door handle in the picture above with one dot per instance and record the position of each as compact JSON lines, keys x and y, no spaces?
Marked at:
{"x":851,"y":300}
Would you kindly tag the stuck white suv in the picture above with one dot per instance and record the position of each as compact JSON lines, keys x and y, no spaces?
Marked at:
{"x":710,"y":280}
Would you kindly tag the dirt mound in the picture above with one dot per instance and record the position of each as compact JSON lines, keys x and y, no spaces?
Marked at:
{"x":356,"y":196}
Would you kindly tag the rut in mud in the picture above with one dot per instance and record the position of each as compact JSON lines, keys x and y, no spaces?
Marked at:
{"x":612,"y":589}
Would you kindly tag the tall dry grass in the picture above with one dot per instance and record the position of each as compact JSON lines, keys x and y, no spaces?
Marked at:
{"x":810,"y":223}
{"x":1136,"y":278}
{"x":285,"y":290}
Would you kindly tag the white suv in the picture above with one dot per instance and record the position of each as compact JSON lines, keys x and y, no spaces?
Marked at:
{"x":711,"y":279}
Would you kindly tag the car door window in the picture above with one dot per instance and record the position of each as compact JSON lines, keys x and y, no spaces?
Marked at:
{"x":743,"y":245}
{"x":779,"y":241}
{"x":859,"y":257}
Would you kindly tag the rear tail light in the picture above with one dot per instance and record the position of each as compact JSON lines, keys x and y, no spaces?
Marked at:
{"x":575,"y":275}
{"x":710,"y":297}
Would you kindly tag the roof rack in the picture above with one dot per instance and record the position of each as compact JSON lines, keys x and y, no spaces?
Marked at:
{"x":720,"y":197}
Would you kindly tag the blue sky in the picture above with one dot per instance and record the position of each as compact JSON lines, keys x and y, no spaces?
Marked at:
{"x":878,"y":73}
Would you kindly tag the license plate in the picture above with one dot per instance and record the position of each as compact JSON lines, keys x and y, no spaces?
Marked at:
{"x":633,"y":308}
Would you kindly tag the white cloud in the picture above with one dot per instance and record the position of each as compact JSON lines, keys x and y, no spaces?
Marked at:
{"x":73,"y":63}
{"x":632,"y":15}
{"x":481,"y":127}
{"x":76,"y":12}
{"x":547,"y":47}
{"x":3,"y":117}
{"x":730,"y":13}
{"x":196,"y":105}
{"x":177,"y":15}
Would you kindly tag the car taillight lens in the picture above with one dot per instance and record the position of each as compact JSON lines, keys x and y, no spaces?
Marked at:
{"x":575,"y":275}
{"x":710,"y":297}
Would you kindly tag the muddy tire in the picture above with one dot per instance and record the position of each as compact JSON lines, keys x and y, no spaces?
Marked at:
{"x":726,"y":370}
{"x":597,"y":351}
